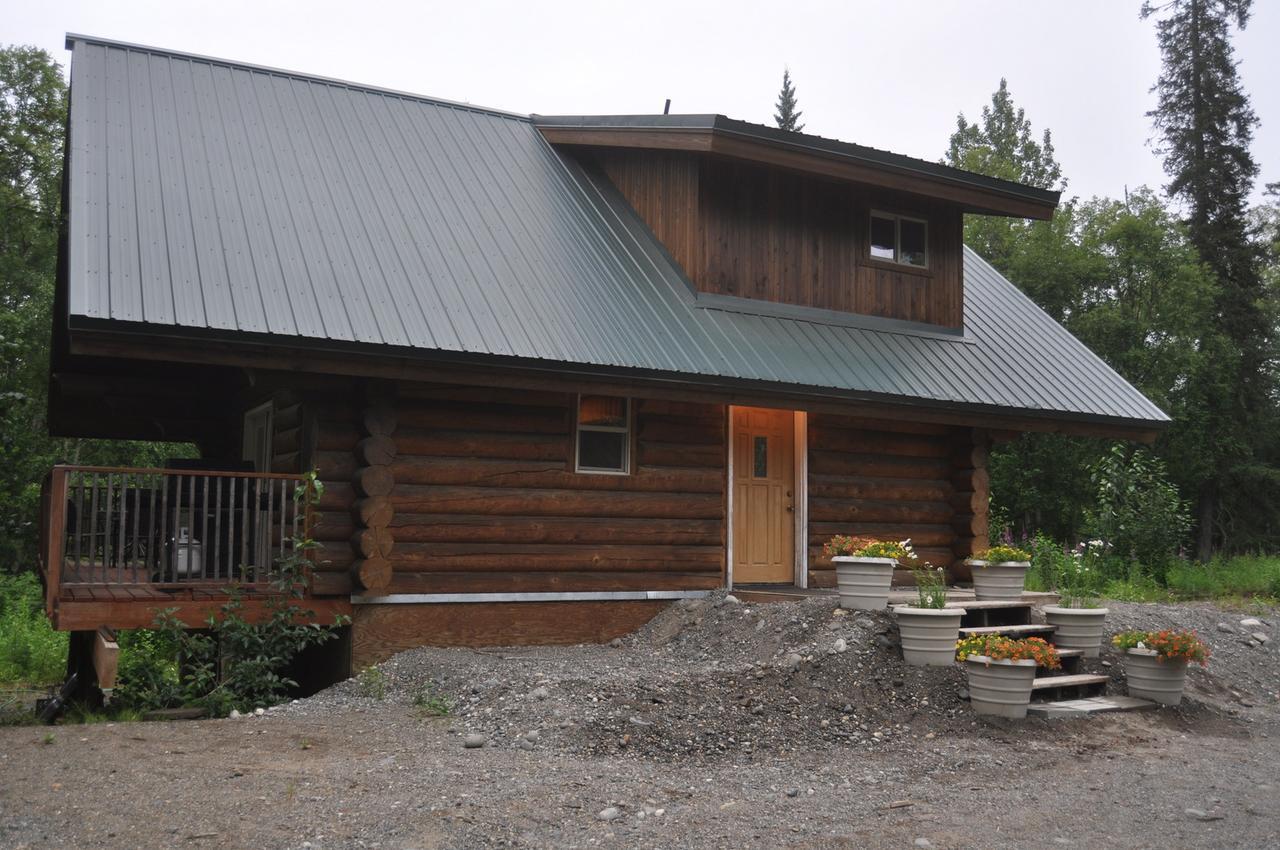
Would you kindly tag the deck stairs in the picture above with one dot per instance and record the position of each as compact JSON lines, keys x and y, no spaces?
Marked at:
{"x":1071,"y":691}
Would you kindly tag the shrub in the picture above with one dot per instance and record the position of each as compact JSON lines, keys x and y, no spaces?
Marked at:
{"x":1002,"y":553}
{"x":31,"y":652}
{"x":1138,"y":511}
{"x":372,"y":683}
{"x":1001,"y":648}
{"x":1167,"y":644}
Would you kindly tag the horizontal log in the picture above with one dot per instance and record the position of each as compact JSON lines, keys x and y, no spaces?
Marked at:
{"x":334,"y":436}
{"x":287,"y":416}
{"x":549,"y":581}
{"x":969,"y":456}
{"x":373,"y":511}
{"x":335,"y":465}
{"x":667,"y":407}
{"x":680,"y":454}
{"x":465,"y":528}
{"x":379,"y":450}
{"x":549,"y":556}
{"x":665,"y":429}
{"x":495,"y":418}
{"x":373,"y":542}
{"x":966,"y":503}
{"x":337,"y":496}
{"x":373,"y":480}
{"x":549,"y":474}
{"x":416,"y":441}
{"x":878,"y":442}
{"x":497,"y":501}
{"x":867,"y":510}
{"x":887,"y":489}
{"x":893,"y":426}
{"x":971,"y":479}
{"x":371,"y":573}
{"x":879,"y":466}
{"x":331,"y":583}
{"x":288,"y":440}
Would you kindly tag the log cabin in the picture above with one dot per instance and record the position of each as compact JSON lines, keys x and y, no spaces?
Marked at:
{"x":553,"y":371}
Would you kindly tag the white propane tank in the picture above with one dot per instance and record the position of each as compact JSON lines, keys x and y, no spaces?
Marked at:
{"x":187,"y":555}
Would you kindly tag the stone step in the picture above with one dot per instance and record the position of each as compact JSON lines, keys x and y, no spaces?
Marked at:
{"x":1087,"y":706}
{"x":1017,"y":631}
{"x":1077,"y":685}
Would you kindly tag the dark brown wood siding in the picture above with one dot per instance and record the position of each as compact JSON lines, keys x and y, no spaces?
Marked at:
{"x":485,"y":498}
{"x":894,"y":481}
{"x":750,"y":231}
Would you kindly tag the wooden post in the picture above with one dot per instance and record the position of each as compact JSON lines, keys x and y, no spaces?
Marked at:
{"x":106,"y":656}
{"x":55,"y":533}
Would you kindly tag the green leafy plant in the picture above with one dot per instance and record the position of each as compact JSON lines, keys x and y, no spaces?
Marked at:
{"x":1002,"y":554}
{"x":372,"y":683}
{"x":1137,"y":511}
{"x":1183,"y":645}
{"x":866,"y":547}
{"x":931,"y":587}
{"x":31,"y":652}
{"x":430,"y":703}
{"x":1001,"y":648}
{"x":235,"y":664}
{"x":1080,"y":574}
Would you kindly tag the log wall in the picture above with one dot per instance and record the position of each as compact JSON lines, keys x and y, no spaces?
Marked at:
{"x":473,"y":490}
{"x":895,"y":480}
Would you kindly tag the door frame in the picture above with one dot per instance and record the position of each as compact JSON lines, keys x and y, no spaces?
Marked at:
{"x":800,"y":468}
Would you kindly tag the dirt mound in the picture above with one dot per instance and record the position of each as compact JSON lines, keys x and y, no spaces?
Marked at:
{"x":714,"y":677}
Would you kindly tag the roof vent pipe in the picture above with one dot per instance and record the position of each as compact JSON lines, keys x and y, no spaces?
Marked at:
{"x":666,"y":110}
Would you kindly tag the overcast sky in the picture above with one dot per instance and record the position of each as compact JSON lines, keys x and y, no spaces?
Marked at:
{"x":891,"y":75}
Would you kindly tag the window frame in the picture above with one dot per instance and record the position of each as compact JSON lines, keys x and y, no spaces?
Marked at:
{"x":897,"y":220}
{"x":626,"y":430}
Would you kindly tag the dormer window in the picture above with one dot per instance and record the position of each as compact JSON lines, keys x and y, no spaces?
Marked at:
{"x":898,"y":239}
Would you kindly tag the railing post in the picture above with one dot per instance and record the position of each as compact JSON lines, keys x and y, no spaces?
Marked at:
{"x":55,"y":532}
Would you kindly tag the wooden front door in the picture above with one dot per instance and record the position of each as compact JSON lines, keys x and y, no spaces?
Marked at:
{"x":763,"y":495}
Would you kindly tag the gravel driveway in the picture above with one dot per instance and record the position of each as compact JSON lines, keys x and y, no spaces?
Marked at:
{"x":719,"y":725}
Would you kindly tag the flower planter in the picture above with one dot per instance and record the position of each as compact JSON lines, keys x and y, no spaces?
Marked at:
{"x":929,"y":634}
{"x":864,"y":582}
{"x":1154,"y":677}
{"x":1078,"y":628}
{"x":1000,"y":688}
{"x":1003,"y":580}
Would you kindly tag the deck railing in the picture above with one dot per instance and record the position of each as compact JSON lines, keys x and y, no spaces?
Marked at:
{"x":165,"y":528}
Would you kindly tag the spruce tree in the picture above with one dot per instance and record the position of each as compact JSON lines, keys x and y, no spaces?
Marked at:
{"x":788,"y":117}
{"x":1205,"y":125}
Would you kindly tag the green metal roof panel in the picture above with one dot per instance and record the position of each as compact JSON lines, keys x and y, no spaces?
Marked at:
{"x":251,"y":203}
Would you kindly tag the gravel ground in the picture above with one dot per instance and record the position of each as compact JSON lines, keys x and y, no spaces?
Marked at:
{"x":718,"y":725}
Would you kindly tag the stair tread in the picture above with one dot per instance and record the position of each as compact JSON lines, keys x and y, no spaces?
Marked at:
{"x":1031,"y":628}
{"x":1043,"y":682}
{"x":988,"y":605}
{"x":1070,"y":653}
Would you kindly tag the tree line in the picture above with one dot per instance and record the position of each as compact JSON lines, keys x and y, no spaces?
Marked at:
{"x":1177,"y":289}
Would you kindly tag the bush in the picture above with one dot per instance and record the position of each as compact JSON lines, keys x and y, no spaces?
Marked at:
{"x":31,"y":652}
{"x":1138,"y":513}
{"x":1243,"y":576}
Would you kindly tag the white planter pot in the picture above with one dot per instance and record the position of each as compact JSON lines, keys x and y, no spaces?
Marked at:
{"x":864,"y":582}
{"x":1003,"y":580}
{"x":1155,"y":678}
{"x":929,"y":635}
{"x":1078,"y":628}
{"x":1000,"y":688}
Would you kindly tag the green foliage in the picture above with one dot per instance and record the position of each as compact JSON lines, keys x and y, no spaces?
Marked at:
{"x":1048,"y":559}
{"x":147,"y":675}
{"x":1138,"y":587}
{"x":429,"y":703}
{"x":1137,"y":513}
{"x":31,"y":652}
{"x":372,"y":683}
{"x":864,"y":547}
{"x":1239,"y":577}
{"x":788,"y":117}
{"x":931,"y":587}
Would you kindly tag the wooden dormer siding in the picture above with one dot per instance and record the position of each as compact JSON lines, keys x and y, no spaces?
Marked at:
{"x":750,"y":231}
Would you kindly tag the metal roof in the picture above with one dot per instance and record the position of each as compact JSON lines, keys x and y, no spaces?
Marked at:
{"x":213,"y":197}
{"x":806,"y":142}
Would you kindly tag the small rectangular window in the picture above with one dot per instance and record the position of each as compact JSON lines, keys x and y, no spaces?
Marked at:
{"x":899,"y":240}
{"x":761,"y":449}
{"x":604,"y":434}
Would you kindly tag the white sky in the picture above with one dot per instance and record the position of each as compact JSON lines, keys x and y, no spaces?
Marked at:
{"x":891,"y":75}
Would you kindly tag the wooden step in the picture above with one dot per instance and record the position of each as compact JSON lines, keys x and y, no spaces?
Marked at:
{"x":1032,"y":629}
{"x":1077,"y":685}
{"x":988,"y":604}
{"x":1070,"y":653}
{"x":1043,"y":682}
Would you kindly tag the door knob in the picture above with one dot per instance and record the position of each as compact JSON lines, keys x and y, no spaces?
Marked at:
{"x":790,"y":508}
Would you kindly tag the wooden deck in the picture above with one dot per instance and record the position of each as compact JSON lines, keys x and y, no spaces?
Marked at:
{"x":85,"y":607}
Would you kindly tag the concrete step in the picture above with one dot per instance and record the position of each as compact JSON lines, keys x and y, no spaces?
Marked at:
{"x":1014,"y":631}
{"x":1087,"y":706}
{"x":1077,"y":685}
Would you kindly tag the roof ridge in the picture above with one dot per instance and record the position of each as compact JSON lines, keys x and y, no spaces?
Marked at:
{"x":72,"y":38}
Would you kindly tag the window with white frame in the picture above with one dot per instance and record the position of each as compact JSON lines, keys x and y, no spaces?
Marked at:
{"x":604,"y":434}
{"x":899,"y":239}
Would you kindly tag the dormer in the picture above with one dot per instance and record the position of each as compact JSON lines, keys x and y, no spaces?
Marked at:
{"x":766,"y":220}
